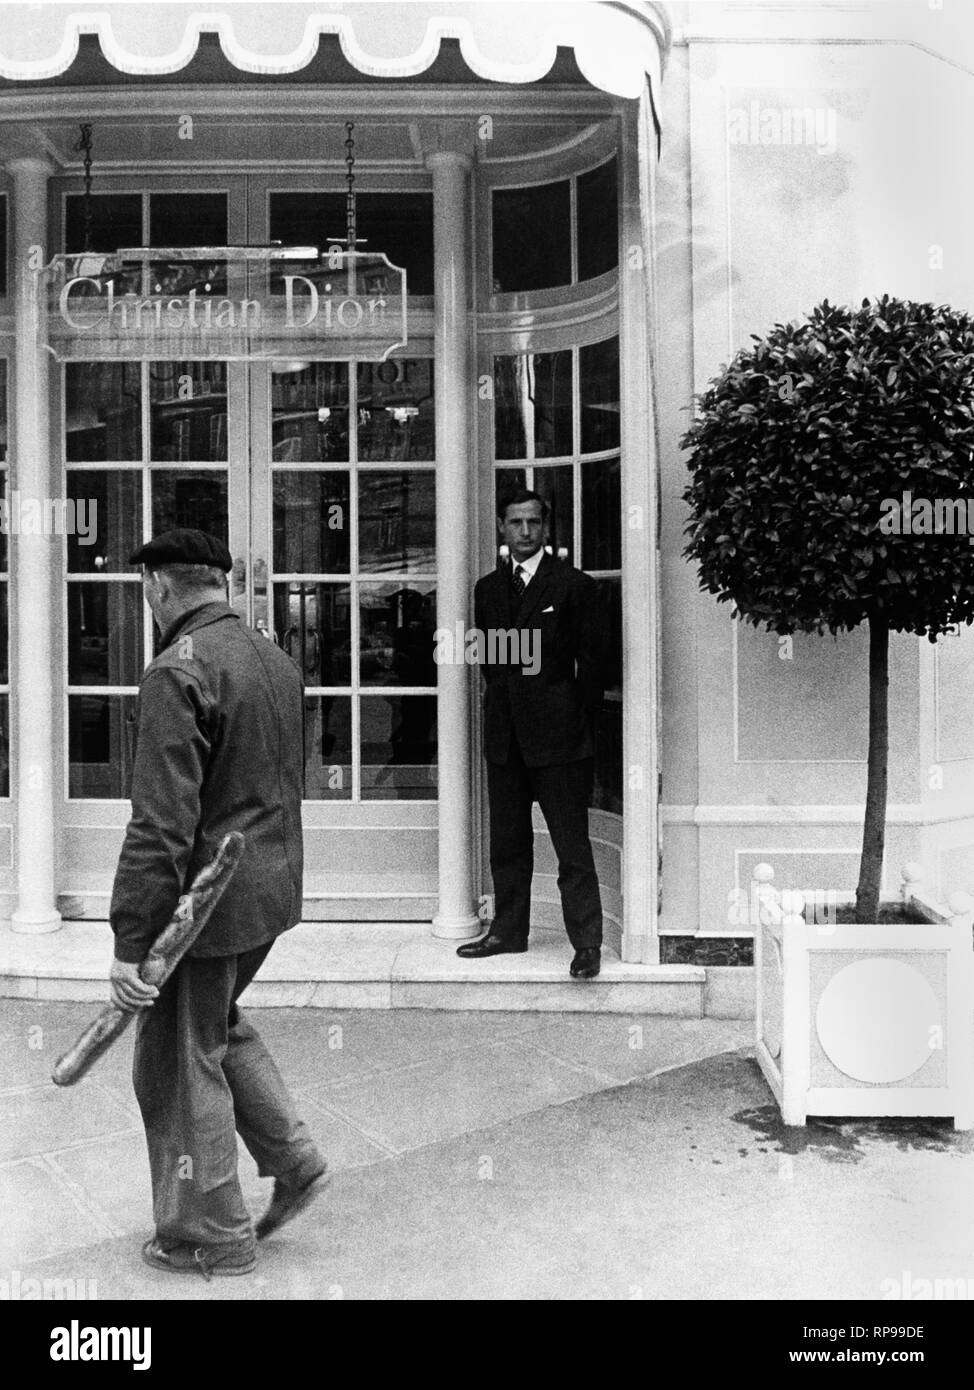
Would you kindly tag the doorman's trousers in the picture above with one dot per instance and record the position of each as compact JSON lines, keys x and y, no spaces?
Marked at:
{"x":201,"y":1073}
{"x":563,"y":792}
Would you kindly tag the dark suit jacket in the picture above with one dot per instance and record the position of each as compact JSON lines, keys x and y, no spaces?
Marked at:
{"x":220,"y":747}
{"x":552,"y":713}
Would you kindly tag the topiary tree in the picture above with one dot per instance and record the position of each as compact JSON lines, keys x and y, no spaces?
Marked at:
{"x":802,"y":454}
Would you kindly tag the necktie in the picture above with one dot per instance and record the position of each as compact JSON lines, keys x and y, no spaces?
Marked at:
{"x":518,"y":581}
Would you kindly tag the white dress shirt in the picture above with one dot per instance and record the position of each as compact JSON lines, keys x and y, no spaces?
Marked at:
{"x":529,"y":566}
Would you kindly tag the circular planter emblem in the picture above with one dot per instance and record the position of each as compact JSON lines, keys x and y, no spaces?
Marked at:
{"x":874,"y":1020}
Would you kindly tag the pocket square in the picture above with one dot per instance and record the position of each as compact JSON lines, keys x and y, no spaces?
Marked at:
{"x":548,"y":610}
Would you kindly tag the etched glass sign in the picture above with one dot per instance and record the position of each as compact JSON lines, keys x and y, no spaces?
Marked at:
{"x":233,"y":303}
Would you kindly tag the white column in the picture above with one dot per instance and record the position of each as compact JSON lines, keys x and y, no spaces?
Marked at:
{"x":32,"y":567}
{"x":456,"y":915}
{"x":640,"y":482}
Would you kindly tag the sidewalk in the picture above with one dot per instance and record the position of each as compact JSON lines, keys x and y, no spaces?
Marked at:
{"x":495,"y":1155}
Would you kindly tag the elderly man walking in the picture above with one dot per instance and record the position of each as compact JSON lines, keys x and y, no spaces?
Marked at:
{"x":219,"y":748}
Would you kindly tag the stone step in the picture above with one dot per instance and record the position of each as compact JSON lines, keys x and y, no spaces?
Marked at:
{"x":388,"y":966}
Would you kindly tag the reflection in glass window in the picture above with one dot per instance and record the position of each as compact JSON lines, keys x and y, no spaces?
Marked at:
{"x":116,"y":220}
{"x":102,"y":411}
{"x":309,"y":407}
{"x":395,"y":410}
{"x":3,"y":410}
{"x":598,"y":221}
{"x":112,"y":498}
{"x":328,"y":748}
{"x":555,"y":485}
{"x":4,"y":745}
{"x":311,"y":522}
{"x":399,"y":224}
{"x":4,"y":636}
{"x":397,"y":522}
{"x":188,"y":219}
{"x":188,"y":402}
{"x":607,"y":788}
{"x":313,"y":624}
{"x":598,"y":369}
{"x":533,"y":405}
{"x":101,"y":745}
{"x":607,"y":795}
{"x":105,"y":633}
{"x":398,"y":748}
{"x":531,"y":237}
{"x":601,"y":515}
{"x":397,"y":626}
{"x":190,"y":497}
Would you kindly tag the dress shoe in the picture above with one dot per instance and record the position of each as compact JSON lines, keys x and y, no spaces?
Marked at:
{"x":491,"y":945}
{"x":587,"y":963}
{"x":288,"y":1201}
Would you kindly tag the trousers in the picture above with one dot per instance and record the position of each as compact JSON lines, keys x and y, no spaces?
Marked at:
{"x":201,"y":1075}
{"x":563,"y":792}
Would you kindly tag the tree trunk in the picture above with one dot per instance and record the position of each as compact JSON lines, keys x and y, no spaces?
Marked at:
{"x":874,"y":825}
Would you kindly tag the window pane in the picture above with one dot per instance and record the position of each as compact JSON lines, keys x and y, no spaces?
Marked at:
{"x":397,"y":626}
{"x":398,"y":748}
{"x":395,"y":410}
{"x":102,"y":411}
{"x":531,"y":237}
{"x":310,"y":413}
{"x":3,"y":410}
{"x":400,"y":224}
{"x":4,"y":639}
{"x":110,"y":500}
{"x":610,"y":600}
{"x":3,"y":244}
{"x":555,"y":486}
{"x":397,"y":522}
{"x":188,"y":219}
{"x":598,"y":371}
{"x":4,"y":745}
{"x":311,"y":523}
{"x":328,"y":748}
{"x":101,"y":745}
{"x":189,"y":411}
{"x":601,"y":515}
{"x":598,"y":221}
{"x":533,"y":402}
{"x":105,"y":633}
{"x":313,"y":624}
{"x":190,"y":497}
{"x":607,"y":789}
{"x":116,"y":220}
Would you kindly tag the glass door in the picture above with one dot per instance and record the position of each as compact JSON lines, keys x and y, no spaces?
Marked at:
{"x":320,"y":477}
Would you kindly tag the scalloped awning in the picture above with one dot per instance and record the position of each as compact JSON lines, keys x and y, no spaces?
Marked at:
{"x":615,"y":44}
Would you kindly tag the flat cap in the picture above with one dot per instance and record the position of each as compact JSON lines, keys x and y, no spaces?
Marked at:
{"x":183,"y":546}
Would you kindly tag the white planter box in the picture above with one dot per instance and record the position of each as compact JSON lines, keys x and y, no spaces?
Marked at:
{"x":865,"y":1020}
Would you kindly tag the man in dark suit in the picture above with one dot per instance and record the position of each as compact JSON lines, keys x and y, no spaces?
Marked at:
{"x":220,"y":715}
{"x":539,"y":721}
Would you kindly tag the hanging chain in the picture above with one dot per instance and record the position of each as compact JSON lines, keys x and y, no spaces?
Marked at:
{"x":84,"y":147}
{"x":350,"y":237}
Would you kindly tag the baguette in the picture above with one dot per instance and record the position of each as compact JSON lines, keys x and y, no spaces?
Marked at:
{"x":190,"y":917}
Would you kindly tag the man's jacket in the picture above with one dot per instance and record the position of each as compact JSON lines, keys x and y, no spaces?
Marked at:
{"x":552,"y":711}
{"x":220,"y":748}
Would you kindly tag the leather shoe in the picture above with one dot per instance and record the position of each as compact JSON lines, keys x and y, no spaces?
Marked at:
{"x":491,"y":945}
{"x":587,"y":963}
{"x":287,"y":1202}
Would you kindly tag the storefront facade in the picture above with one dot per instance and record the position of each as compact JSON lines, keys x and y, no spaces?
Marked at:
{"x":596,"y":205}
{"x":357,"y":495}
